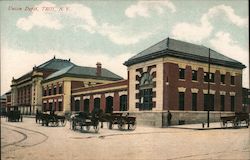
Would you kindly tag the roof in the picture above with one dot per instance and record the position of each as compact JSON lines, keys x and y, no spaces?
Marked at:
{"x":3,"y":96}
{"x":52,"y":64}
{"x":80,"y":71}
{"x":185,"y":50}
{"x":55,"y":64}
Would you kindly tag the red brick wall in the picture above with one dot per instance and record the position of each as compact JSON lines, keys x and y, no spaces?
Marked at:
{"x":171,"y":96}
{"x":76,"y":84}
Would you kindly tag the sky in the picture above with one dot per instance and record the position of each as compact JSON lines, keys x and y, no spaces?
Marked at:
{"x":111,"y":32}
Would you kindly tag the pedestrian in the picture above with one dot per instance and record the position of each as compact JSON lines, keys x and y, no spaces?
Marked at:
{"x":169,"y":117}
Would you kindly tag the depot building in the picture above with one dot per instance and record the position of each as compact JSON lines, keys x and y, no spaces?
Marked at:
{"x":170,"y":75}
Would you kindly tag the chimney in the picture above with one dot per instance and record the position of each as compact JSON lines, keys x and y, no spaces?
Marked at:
{"x":98,"y":69}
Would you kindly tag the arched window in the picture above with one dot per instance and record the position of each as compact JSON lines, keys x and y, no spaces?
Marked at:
{"x":146,"y":92}
{"x":86,"y":105}
{"x":77,"y":105}
{"x":123,"y":103}
{"x":97,"y":103}
{"x":109,"y":104}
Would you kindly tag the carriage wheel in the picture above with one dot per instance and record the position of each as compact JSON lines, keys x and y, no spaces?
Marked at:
{"x":110,"y":125}
{"x":96,"y":128}
{"x":87,"y":128}
{"x":121,"y":125}
{"x":63,"y":122}
{"x":73,"y":125}
{"x":222,"y":124}
{"x":132,"y":126}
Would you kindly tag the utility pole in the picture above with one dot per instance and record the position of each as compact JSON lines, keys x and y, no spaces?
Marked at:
{"x":208,"y":87}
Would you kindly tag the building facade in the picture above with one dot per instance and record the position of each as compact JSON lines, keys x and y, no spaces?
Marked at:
{"x":174,"y":75}
{"x":59,"y":87}
{"x":185,"y":78}
{"x":108,"y":97}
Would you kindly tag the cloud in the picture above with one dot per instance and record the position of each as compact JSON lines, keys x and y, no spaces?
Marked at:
{"x":40,"y":19}
{"x":84,"y":13}
{"x":10,"y":68}
{"x":118,"y":34}
{"x":223,"y":43}
{"x":142,"y":8}
{"x":197,"y":32}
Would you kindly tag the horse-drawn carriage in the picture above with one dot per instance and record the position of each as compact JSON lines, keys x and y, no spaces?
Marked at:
{"x":85,"y":120}
{"x":122,"y":121}
{"x":14,"y":116}
{"x":236,"y":120}
{"x":50,"y":119}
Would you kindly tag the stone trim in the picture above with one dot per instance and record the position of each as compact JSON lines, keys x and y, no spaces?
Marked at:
{"x":50,"y":100}
{"x":97,"y":96}
{"x":86,"y":97}
{"x":205,"y":91}
{"x":194,"y":90}
{"x":222,"y":92}
{"x":232,"y":93}
{"x":181,"y":89}
{"x":76,"y":98}
{"x":123,"y":93}
{"x":59,"y":100}
{"x":109,"y":94}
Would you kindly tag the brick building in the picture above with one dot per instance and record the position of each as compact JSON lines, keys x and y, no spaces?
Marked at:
{"x":173,"y":75}
{"x":49,"y":85}
{"x":59,"y":86}
{"x":108,"y":97}
{"x":170,"y":75}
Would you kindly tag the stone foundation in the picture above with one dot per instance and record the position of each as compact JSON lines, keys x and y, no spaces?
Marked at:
{"x":159,"y":119}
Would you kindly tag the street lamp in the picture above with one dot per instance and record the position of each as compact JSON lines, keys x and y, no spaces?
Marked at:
{"x":208,"y":92}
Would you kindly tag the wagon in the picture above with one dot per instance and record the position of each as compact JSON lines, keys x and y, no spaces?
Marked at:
{"x":236,"y":120}
{"x":14,"y":116}
{"x":51,"y":119}
{"x":122,"y":121}
{"x":84,"y":121}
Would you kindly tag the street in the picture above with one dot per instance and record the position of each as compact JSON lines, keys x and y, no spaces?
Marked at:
{"x":30,"y":141}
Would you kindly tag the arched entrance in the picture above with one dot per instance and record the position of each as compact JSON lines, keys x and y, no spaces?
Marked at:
{"x":97,"y":104}
{"x":109,"y":104}
{"x":86,"y":105}
{"x":77,"y":105}
{"x":146,"y":92}
{"x":123,"y":103}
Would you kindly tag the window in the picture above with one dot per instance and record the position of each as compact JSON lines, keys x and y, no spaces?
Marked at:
{"x":211,"y":77}
{"x":232,"y":80}
{"x":208,"y":77}
{"x":181,"y":100}
{"x":60,"y":89}
{"x":208,"y":102}
{"x":60,"y":106}
{"x":222,"y":79}
{"x":194,"y":75}
{"x":77,"y":105}
{"x":181,"y":73}
{"x":86,"y":105}
{"x":123,"y":103}
{"x":44,"y":107}
{"x":232,"y":103}
{"x":194,"y":101}
{"x":44,"y":92}
{"x":49,"y":91}
{"x":54,"y":91}
{"x":97,"y":104}
{"x":222,"y":102}
{"x":146,"y":97}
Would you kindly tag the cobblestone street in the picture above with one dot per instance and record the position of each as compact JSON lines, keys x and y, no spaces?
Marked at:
{"x":30,"y":141}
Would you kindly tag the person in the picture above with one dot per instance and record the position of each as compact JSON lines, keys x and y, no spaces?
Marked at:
{"x":169,"y":117}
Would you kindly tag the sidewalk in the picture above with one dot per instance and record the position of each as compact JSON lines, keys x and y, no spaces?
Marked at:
{"x":214,"y":125}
